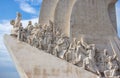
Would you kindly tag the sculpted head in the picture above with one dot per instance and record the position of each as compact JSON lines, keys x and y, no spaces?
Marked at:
{"x":74,"y":39}
{"x":20,"y":24}
{"x":12,"y":22}
{"x":36,"y":24}
{"x":18,"y":14}
{"x":29,"y":22}
{"x":45,"y":26}
{"x":91,"y":46}
{"x":40,"y":26}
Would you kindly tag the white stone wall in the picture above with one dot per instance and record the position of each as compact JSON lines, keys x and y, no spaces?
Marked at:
{"x":85,"y":17}
{"x":62,"y":15}
{"x":47,"y":11}
{"x":91,"y":17}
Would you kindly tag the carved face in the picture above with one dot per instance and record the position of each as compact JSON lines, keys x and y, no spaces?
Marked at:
{"x":30,"y":22}
{"x":18,"y":14}
{"x":12,"y":22}
{"x":20,"y":24}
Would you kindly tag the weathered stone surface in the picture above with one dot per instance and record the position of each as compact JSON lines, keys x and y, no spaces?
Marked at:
{"x":38,"y":64}
{"x":62,"y":15}
{"x":47,"y":11}
{"x":91,"y":22}
{"x":115,"y":45}
{"x":94,"y":18}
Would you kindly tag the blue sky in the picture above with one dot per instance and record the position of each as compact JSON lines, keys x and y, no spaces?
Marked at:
{"x":8,"y":8}
{"x":118,"y":16}
{"x":28,"y":8}
{"x":30,"y":11}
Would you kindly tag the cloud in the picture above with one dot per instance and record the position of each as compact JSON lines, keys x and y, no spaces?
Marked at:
{"x":5,"y":28}
{"x":7,"y":69}
{"x":25,"y":22}
{"x":32,"y":2}
{"x":26,"y":7}
{"x":35,"y":2}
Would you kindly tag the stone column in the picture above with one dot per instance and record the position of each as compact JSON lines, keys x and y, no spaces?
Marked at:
{"x":63,"y":14}
{"x":47,"y":11}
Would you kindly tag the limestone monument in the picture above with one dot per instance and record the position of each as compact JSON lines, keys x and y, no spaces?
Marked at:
{"x":47,"y":11}
{"x":72,"y":39}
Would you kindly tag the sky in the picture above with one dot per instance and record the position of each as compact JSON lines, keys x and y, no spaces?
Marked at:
{"x":30,"y":11}
{"x":118,"y":16}
{"x":8,"y":8}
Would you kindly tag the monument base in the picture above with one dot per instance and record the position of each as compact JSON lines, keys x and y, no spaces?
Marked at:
{"x":34,"y":63}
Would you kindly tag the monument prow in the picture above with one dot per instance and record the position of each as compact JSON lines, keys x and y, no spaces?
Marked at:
{"x":34,"y":63}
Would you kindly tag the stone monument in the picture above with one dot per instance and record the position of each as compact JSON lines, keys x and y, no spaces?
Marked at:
{"x":47,"y":11}
{"x":82,"y":34}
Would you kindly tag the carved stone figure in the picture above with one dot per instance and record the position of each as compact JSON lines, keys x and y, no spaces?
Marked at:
{"x":49,"y":40}
{"x":69,"y":55}
{"x":112,"y":67}
{"x":40,"y":41}
{"x":50,"y":25}
{"x":83,"y":43}
{"x":50,"y":48}
{"x":64,"y":44}
{"x":89,"y":62}
{"x":16,"y":24}
{"x":114,"y":71}
{"x":72,"y":48}
{"x":48,"y":37}
{"x":101,"y":59}
{"x":35,"y":31}
{"x":20,"y":33}
{"x":73,"y":44}
{"x":40,"y":32}
{"x":57,"y":36}
{"x":45,"y":27}
{"x":104,"y":59}
{"x":17,"y":20}
{"x":79,"y":54}
{"x":29,"y":40}
{"x":35,"y":41}
{"x":29,"y":28}
{"x":52,"y":40}
{"x":58,"y":47}
{"x":56,"y":50}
